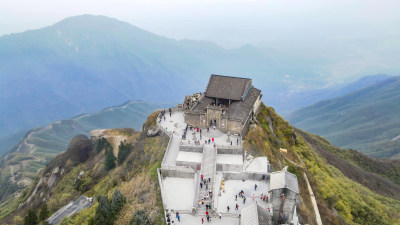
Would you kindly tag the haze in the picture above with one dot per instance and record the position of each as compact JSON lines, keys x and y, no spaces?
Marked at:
{"x":345,"y":39}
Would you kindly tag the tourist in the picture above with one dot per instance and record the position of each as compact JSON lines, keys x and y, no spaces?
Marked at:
{"x":237,"y":206}
{"x":227,"y":208}
{"x":202,"y":177}
{"x":206,"y":186}
{"x":237,"y":141}
{"x":253,"y":197}
{"x":236,"y":198}
{"x":202,"y":220}
{"x":179,"y":218}
{"x":202,"y":201}
{"x":220,"y":216}
{"x":201,"y":185}
{"x":255,"y":187}
{"x":244,"y":200}
{"x":266,"y":199}
{"x":208,"y":218}
{"x":199,"y":203}
{"x":231,"y":142}
{"x":209,"y":141}
{"x":208,"y":129}
{"x":209,"y":179}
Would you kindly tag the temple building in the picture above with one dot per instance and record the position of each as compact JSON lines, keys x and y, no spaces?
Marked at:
{"x":228,"y":104}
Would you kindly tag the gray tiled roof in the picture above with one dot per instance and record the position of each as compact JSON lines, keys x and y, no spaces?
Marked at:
{"x":238,"y":110}
{"x":226,"y":87}
{"x":255,"y":215}
{"x":283,"y":179}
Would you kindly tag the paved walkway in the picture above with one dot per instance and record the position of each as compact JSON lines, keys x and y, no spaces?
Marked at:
{"x":314,"y":202}
{"x":208,"y":171}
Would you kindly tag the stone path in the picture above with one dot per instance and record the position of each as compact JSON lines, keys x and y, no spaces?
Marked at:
{"x":208,"y":171}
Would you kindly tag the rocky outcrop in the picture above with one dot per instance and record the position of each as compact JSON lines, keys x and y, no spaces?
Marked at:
{"x":78,"y":152}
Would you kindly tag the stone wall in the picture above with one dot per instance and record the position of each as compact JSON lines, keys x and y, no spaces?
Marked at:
{"x":187,"y":148}
{"x":235,"y":127}
{"x":193,"y":165}
{"x":245,"y":176}
{"x":256,"y":106}
{"x":192,"y":119}
{"x":176,"y":172}
{"x":229,"y":167}
{"x":233,"y":150}
{"x":287,"y":207}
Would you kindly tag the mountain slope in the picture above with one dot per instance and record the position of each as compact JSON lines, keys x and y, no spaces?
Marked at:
{"x":20,"y":166}
{"x":295,"y":101}
{"x":346,"y":193}
{"x":366,"y":120}
{"x":85,"y":63}
{"x":84,"y":172}
{"x":341,"y":198}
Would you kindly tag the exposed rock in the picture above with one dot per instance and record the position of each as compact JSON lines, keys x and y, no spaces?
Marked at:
{"x":152,"y":133}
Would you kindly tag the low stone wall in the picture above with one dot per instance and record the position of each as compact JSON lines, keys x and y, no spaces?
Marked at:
{"x":229,"y":167}
{"x":192,"y":165}
{"x":245,"y":176}
{"x":178,"y":171}
{"x":232,"y":150}
{"x":191,"y":148}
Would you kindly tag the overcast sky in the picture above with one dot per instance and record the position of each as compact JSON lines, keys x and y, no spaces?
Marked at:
{"x":230,"y":23}
{"x":348,"y":38}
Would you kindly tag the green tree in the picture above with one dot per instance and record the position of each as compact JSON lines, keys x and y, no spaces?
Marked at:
{"x":102,"y":144}
{"x":109,"y":162}
{"x":123,"y":151}
{"x":44,"y":212}
{"x":31,"y":218}
{"x":103,"y":214}
{"x":140,"y":218}
{"x":117,"y":202}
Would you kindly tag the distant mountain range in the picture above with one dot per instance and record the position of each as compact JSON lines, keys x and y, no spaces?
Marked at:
{"x":19,"y":166}
{"x":367,"y":120}
{"x":85,"y":63}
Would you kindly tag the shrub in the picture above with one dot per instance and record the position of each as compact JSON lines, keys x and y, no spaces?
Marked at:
{"x":109,"y":162}
{"x":123,"y":151}
{"x":140,"y":218}
{"x":103,"y":214}
{"x":117,"y":202}
{"x":31,"y":218}
{"x":44,"y":212}
{"x":102,"y":144}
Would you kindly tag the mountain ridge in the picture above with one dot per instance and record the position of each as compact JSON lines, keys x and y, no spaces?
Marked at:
{"x":58,"y":71}
{"x":366,"y":119}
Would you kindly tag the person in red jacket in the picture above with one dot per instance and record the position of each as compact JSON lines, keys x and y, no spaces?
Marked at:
{"x":202,"y":220}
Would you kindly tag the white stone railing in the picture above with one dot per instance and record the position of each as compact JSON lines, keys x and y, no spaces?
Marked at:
{"x":164,"y":200}
{"x":196,"y":189}
{"x":166,"y":151}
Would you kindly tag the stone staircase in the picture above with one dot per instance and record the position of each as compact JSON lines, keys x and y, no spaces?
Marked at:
{"x":208,"y":171}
